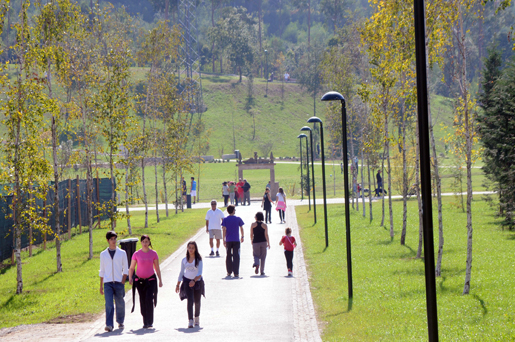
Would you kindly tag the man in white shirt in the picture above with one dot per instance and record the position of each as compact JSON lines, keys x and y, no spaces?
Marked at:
{"x":214,"y":217}
{"x":113,"y":273}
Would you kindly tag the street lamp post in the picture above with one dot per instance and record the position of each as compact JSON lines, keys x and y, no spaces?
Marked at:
{"x":301,"y":176}
{"x":306,"y":128}
{"x":307,"y":166}
{"x":266,"y":72}
{"x":315,"y":119}
{"x":334,"y":96}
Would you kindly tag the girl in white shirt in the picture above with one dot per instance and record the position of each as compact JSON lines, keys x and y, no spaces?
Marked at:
{"x":192,"y":287}
{"x":280,"y":204}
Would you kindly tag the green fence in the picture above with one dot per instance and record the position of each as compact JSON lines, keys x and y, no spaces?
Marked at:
{"x":72,"y":197}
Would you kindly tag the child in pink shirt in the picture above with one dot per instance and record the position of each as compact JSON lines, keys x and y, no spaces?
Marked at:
{"x":289,"y":245}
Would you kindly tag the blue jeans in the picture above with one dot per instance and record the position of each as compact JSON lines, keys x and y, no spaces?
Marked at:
{"x":116,"y":292}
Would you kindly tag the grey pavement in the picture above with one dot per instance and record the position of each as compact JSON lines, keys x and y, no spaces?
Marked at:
{"x":274,"y":307}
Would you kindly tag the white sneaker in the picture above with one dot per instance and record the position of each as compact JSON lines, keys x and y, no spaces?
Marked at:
{"x":197,"y":321}
{"x":190,"y":324}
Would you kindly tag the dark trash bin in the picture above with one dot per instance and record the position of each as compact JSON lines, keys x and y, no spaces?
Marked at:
{"x":188,"y":201}
{"x":129,"y":246}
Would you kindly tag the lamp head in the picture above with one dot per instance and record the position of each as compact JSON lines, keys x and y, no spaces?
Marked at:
{"x":300,"y":136}
{"x":306,"y":128}
{"x":332,"y":96}
{"x":314,"y":119}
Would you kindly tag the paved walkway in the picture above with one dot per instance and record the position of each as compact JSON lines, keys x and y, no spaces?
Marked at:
{"x":274,"y":307}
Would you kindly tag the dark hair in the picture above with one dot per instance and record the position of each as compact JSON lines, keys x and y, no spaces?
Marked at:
{"x":230,"y":209}
{"x":281,"y":191}
{"x":192,"y":177}
{"x":197,"y":254}
{"x":145,"y":236}
{"x":110,"y":234}
{"x":267,"y":188}
{"x":259,"y":216}
{"x":288,"y":231}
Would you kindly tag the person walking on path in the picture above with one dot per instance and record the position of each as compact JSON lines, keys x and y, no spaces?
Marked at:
{"x":225,"y":193}
{"x":260,"y":242}
{"x":246,"y":192}
{"x":192,"y":287}
{"x":289,"y":245}
{"x":232,"y":191}
{"x":232,"y":241}
{"x":379,"y":183}
{"x":266,"y":204}
{"x":239,"y":188}
{"x":144,"y":268}
{"x":214,"y":217}
{"x":280,"y":204}
{"x":113,"y":273}
{"x":193,"y":189}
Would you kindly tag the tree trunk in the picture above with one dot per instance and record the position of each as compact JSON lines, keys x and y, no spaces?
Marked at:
{"x":213,"y":25}
{"x":404,"y":181}
{"x":362,"y":180}
{"x":369,"y":190}
{"x":259,"y":34}
{"x":145,"y":147}
{"x":309,"y":22}
{"x":113,"y":187}
{"x":156,"y":182}
{"x":164,"y":186}
{"x":468,"y":153}
{"x":389,"y":182}
{"x":127,"y":196}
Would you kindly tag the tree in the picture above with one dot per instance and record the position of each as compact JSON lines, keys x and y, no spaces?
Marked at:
{"x":113,"y":100}
{"x":496,"y":126}
{"x":55,"y":20}
{"x":23,"y":107}
{"x":306,"y":6}
{"x":235,"y":33}
{"x":334,"y":10}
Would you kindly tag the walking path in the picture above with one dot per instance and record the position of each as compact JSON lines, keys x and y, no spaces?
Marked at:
{"x":274,"y":307}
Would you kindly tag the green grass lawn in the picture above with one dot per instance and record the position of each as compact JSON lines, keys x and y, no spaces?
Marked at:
{"x":50,"y":296}
{"x":389,"y":286}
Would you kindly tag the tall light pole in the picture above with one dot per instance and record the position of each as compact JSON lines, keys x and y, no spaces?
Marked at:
{"x":306,"y":128}
{"x":315,"y":119}
{"x":425,"y":169}
{"x":334,"y":96}
{"x":266,"y":72}
{"x":307,"y":166}
{"x":301,"y":176}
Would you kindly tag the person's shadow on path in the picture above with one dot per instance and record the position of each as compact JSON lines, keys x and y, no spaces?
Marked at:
{"x":189,"y":330}
{"x":142,"y":331}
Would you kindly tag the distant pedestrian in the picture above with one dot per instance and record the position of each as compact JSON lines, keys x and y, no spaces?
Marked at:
{"x":289,"y":245}
{"x":246,"y":192}
{"x":232,"y":225}
{"x":280,"y":204}
{"x":239,"y":189}
{"x":113,"y":273}
{"x":193,"y":189}
{"x":266,"y":204}
{"x":260,"y":242}
{"x":142,"y":276}
{"x":379,"y":183}
{"x":232,"y":191}
{"x":356,"y":163}
{"x":341,"y":168}
{"x":214,"y":217}
{"x":225,"y":193}
{"x":192,"y":287}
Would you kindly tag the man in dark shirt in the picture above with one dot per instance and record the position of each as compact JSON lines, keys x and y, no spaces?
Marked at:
{"x":246,"y":192}
{"x":232,"y":241}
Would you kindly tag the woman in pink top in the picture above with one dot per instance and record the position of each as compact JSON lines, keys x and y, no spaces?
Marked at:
{"x":146,"y":263}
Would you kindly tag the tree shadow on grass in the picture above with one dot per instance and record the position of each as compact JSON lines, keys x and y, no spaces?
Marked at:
{"x":482,"y":303}
{"x":385,"y":242}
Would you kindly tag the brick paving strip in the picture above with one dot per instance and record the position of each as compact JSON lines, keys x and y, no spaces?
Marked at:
{"x":305,"y":325}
